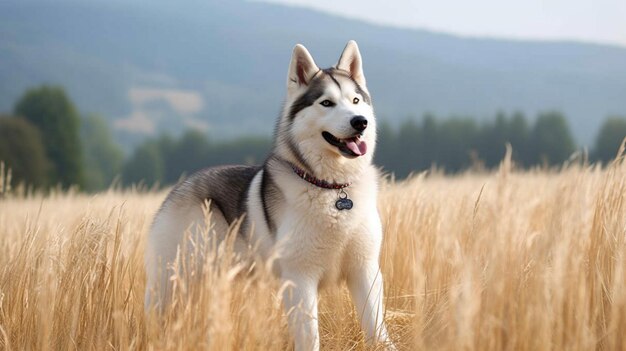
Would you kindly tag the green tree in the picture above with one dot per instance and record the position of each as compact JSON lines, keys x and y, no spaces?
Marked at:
{"x":551,"y":139}
{"x":493,"y":137}
{"x":146,"y":164}
{"x":50,"y":110}
{"x":22,"y":151}
{"x":518,"y":134}
{"x":166,"y":159}
{"x":188,"y":154}
{"x":103,"y":158}
{"x":408,"y":152}
{"x":457,"y":139}
{"x":385,"y":146}
{"x":245,"y":150}
{"x":609,"y":138}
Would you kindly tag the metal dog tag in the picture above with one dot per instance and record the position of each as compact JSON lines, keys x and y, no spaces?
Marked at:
{"x":343,"y":203}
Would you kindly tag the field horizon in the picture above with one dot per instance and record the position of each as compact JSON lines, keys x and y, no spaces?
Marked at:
{"x":507,"y":259}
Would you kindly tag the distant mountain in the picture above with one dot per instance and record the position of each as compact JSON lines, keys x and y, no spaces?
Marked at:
{"x":153,"y":66}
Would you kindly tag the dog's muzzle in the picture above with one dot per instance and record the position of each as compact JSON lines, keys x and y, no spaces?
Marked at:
{"x":350,"y":147}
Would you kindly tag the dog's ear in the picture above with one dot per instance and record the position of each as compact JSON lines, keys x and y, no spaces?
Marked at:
{"x":350,"y":61}
{"x":302,"y":67}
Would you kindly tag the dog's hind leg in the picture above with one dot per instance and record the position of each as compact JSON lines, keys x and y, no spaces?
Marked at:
{"x":172,"y":227}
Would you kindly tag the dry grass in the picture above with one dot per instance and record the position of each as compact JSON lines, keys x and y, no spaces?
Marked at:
{"x":502,"y":261}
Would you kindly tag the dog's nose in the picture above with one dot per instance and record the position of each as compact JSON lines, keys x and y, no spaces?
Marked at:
{"x":359,"y":123}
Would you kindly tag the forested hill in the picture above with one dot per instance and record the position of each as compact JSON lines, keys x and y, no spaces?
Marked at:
{"x":153,"y":66}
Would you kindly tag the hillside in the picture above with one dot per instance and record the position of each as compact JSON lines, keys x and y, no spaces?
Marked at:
{"x":153,"y":66}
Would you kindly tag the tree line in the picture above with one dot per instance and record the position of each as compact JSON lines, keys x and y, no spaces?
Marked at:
{"x":46,"y":142}
{"x":458,"y":143}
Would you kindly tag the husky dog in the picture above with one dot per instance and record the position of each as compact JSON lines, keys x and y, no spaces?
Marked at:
{"x":312,"y":203}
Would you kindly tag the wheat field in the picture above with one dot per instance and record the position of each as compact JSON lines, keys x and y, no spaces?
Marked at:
{"x":502,"y":260}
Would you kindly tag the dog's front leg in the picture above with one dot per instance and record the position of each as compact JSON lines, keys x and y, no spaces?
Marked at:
{"x":366,"y":287}
{"x":300,"y":300}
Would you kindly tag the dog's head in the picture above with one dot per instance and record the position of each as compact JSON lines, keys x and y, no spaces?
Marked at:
{"x":328,"y":114}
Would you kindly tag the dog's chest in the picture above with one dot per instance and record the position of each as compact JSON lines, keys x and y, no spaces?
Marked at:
{"x":318,"y":234}
{"x":321,"y":207}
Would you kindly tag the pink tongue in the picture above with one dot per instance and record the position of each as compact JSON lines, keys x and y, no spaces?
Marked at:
{"x":357,"y":146}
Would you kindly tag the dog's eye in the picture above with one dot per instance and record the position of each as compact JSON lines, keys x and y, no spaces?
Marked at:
{"x":355,"y":100}
{"x":327,"y":103}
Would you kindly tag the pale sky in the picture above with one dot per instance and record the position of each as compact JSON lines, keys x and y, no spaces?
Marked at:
{"x":602,"y":21}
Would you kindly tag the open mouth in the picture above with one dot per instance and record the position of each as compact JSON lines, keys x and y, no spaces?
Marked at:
{"x":349,"y":147}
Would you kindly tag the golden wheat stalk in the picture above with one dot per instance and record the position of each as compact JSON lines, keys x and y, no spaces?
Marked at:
{"x":517,"y":260}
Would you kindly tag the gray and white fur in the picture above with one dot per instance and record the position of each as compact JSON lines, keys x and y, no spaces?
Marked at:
{"x":327,"y":128}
